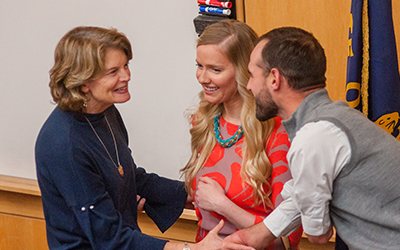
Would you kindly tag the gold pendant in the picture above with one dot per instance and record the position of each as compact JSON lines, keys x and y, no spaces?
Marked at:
{"x":121,"y":170}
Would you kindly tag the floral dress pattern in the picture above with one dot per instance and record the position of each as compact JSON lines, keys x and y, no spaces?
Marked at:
{"x":224,"y":166}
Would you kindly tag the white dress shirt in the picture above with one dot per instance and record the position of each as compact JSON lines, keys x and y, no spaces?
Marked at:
{"x":317,"y":155}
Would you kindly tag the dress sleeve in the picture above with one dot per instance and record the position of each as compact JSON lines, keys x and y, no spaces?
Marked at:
{"x":277,"y":150}
{"x":165,"y":198}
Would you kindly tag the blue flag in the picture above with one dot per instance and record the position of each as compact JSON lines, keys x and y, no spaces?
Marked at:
{"x":374,"y":37}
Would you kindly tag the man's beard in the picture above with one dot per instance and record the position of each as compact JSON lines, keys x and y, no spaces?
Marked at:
{"x":266,"y":108}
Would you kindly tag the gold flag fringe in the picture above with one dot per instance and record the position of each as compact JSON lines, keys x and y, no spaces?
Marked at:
{"x":365,"y":64}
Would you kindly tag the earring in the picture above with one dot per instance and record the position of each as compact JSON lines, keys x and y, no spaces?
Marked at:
{"x":85,"y":103}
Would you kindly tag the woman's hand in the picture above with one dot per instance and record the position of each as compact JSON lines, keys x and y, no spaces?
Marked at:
{"x":141,"y":202}
{"x":189,"y":202}
{"x":209,"y":195}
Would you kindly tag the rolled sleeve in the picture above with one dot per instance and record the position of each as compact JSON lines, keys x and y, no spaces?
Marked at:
{"x":285,"y":218}
{"x":318,"y":153}
{"x":314,"y":225}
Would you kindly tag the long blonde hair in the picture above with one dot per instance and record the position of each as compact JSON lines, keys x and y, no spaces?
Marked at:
{"x":236,"y":40}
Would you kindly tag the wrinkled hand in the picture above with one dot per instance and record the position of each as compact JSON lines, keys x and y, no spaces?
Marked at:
{"x":209,"y":194}
{"x":257,"y":236}
{"x":141,"y":202}
{"x":213,"y":242}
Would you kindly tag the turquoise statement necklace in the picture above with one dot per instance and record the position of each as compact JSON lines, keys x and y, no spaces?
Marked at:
{"x":229,"y":142}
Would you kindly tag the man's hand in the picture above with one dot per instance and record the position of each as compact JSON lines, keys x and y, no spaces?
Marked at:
{"x":257,"y":236}
{"x":213,"y":242}
{"x":322,"y":239}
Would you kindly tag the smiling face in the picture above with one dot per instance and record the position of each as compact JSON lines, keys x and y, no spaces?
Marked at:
{"x":217,"y":75}
{"x":110,"y":88}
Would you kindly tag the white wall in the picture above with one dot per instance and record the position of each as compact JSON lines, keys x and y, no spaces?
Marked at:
{"x":163,"y":83}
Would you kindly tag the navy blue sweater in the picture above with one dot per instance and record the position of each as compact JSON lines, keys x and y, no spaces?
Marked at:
{"x":86,"y":203}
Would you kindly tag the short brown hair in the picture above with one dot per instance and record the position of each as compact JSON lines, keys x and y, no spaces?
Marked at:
{"x":80,"y":57}
{"x":297,"y":55}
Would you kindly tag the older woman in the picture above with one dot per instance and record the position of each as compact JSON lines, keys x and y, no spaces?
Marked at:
{"x":88,"y":179}
{"x":238,"y":164}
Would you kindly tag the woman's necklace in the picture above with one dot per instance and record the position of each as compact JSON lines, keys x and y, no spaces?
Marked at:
{"x":119,"y":167}
{"x":229,"y":142}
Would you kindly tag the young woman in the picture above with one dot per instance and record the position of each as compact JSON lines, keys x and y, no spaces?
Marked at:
{"x":238,"y":164}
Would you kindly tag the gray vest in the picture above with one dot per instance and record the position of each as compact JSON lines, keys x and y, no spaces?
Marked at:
{"x":365,"y":208}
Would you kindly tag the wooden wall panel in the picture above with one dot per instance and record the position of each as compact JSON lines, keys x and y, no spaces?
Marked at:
{"x":21,"y":204}
{"x":328,"y":20}
{"x":22,"y":224}
{"x":183,"y":230}
{"x":239,"y":10}
{"x":17,"y":232}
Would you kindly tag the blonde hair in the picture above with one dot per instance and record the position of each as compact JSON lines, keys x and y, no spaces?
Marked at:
{"x":80,"y":57}
{"x":236,"y":40}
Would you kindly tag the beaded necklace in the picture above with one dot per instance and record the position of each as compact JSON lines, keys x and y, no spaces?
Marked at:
{"x":229,"y":142}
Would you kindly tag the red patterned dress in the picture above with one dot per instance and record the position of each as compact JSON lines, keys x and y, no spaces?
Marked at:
{"x":224,"y":166}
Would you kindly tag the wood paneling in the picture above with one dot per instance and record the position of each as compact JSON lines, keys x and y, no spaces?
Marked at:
{"x":22,"y":224}
{"x":19,"y":185}
{"x":239,"y":10}
{"x":328,"y":20}
{"x":18,"y":232}
{"x":21,"y":204}
{"x":183,"y":230}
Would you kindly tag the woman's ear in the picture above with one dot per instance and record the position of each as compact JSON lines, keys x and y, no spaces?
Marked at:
{"x":85,"y":88}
